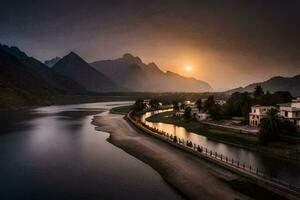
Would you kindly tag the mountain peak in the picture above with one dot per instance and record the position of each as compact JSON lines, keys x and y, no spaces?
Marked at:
{"x":132,"y":59}
{"x":152,"y":65}
{"x":73,"y":54}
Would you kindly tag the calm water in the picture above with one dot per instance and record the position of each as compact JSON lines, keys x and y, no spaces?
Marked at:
{"x":288,"y":171}
{"x":55,"y":153}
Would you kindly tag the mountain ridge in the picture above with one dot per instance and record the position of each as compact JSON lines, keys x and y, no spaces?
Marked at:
{"x":276,"y":83}
{"x":77,"y":69}
{"x":147,"y":77}
{"x":40,"y":70}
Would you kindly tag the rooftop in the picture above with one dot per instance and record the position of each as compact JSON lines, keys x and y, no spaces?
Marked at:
{"x":284,"y":104}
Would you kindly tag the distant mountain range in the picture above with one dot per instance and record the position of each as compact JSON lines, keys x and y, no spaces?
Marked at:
{"x":26,"y":81}
{"x":132,"y":73}
{"x":278,"y":83}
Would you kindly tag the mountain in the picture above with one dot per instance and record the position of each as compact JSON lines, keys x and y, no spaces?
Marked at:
{"x":130,"y":72}
{"x":75,"y":68}
{"x":52,"y":62}
{"x":19,"y":86}
{"x":39,"y":70}
{"x":278,"y":83}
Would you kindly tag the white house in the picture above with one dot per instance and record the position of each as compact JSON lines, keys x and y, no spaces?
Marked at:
{"x":200,"y":116}
{"x":257,"y":113}
{"x":291,"y":111}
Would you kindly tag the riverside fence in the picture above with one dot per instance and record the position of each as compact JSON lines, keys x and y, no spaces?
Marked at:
{"x":231,"y":163}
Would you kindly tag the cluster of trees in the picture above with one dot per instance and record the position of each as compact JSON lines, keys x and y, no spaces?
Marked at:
{"x":140,"y":105}
{"x":239,"y":104}
{"x":272,"y":127}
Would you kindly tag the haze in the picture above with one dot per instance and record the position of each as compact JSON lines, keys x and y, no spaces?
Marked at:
{"x":226,"y":43}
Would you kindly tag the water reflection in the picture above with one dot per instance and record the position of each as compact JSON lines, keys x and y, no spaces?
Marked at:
{"x":285,"y":170}
{"x":61,"y":156}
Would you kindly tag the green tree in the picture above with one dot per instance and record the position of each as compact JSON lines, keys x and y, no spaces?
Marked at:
{"x":215,"y":112}
{"x":270,"y":126}
{"x":199,"y":104}
{"x":187,"y":113}
{"x":277,"y":97}
{"x":139,"y":105}
{"x":239,"y":104}
{"x":209,"y":103}
{"x":176,"y":106}
{"x":182,"y":106}
{"x":258,"y":92}
{"x":154,"y":103}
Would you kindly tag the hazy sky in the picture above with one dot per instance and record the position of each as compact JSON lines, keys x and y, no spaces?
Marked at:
{"x":227,"y":43}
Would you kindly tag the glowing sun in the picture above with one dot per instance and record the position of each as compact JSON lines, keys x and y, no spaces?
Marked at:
{"x":188,"y":68}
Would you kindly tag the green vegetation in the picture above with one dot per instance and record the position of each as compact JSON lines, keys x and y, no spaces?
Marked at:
{"x":175,"y":105}
{"x":187,"y":113}
{"x":219,"y":134}
{"x":121,"y":109}
{"x":239,"y":104}
{"x":271,"y":127}
{"x":154,"y":103}
{"x":202,"y":129}
{"x":138,"y":107}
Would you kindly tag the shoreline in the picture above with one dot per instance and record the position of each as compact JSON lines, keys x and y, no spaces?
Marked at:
{"x":192,"y":177}
{"x":286,"y":154}
{"x":70,"y":100}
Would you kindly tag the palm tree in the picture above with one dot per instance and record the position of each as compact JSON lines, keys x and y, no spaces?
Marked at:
{"x":269,"y":126}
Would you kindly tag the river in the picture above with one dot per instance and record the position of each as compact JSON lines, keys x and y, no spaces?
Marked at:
{"x":287,"y":171}
{"x":55,"y":153}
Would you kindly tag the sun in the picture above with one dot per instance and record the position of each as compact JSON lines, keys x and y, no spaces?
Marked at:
{"x":188,"y":68}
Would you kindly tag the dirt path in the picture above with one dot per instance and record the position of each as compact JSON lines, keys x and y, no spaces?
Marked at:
{"x":191,"y":176}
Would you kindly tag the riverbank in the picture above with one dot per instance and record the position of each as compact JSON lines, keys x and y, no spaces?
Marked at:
{"x":122,"y":110}
{"x":281,"y":149}
{"x":191,"y":176}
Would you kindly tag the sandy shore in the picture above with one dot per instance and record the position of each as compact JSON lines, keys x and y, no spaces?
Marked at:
{"x":191,"y":176}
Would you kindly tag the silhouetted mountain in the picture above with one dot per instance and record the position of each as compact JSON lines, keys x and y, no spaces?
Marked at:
{"x":132,"y":73}
{"x":41,"y":71}
{"x":19,"y":86}
{"x":52,"y":62}
{"x":75,"y":68}
{"x":278,"y":83}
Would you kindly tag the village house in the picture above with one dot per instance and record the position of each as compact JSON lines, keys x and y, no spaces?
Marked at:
{"x":257,"y":113}
{"x":199,"y":115}
{"x":291,"y":111}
